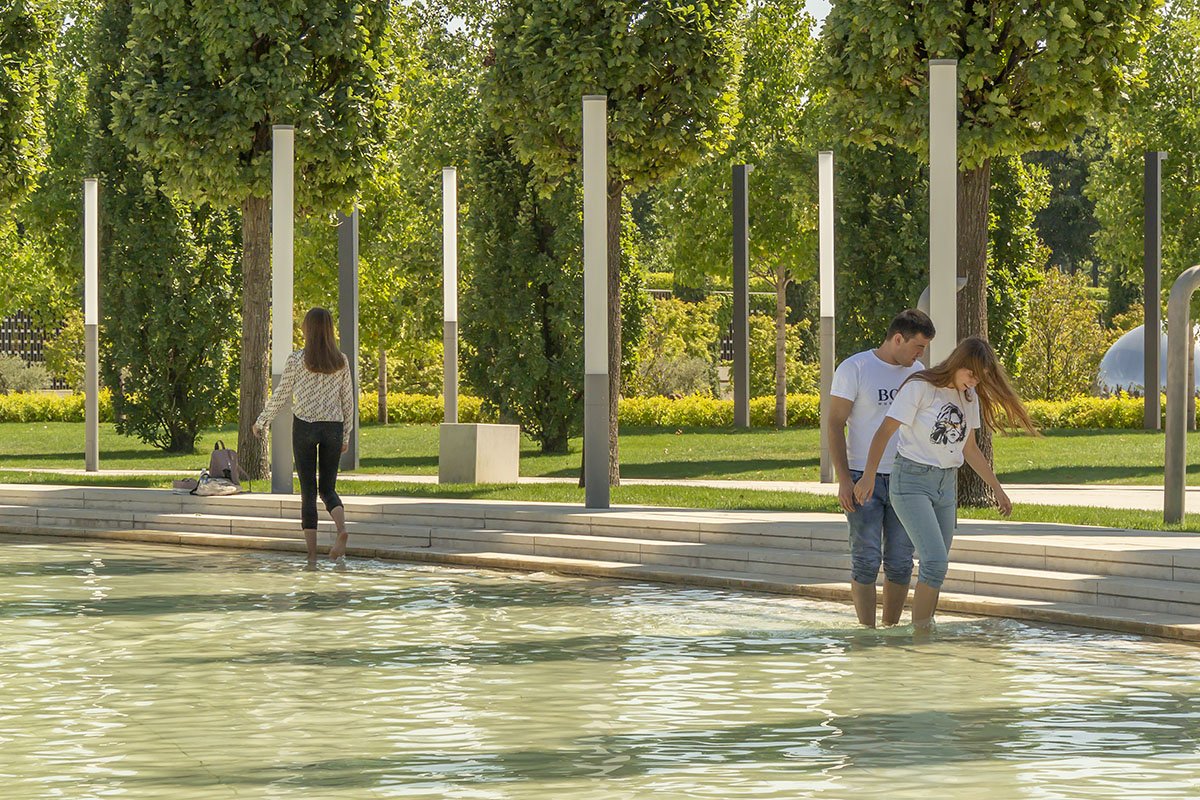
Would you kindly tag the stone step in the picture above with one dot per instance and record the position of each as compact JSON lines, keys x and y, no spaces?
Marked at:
{"x":826,"y":533}
{"x":1086,"y":587}
{"x":1179,"y":621}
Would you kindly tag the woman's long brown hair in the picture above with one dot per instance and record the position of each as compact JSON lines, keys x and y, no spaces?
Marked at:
{"x":998,"y":402}
{"x":321,"y":352}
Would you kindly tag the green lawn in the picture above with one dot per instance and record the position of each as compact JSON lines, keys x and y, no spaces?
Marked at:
{"x":1129,"y":457}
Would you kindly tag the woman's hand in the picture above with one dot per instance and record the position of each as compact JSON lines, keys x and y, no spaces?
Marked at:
{"x":1003,"y":502}
{"x":346,"y":447}
{"x":257,"y":430}
{"x":864,"y":489}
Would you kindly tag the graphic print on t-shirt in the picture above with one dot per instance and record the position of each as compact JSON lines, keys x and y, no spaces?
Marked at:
{"x":949,"y":427}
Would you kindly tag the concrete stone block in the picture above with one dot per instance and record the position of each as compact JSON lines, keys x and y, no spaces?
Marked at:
{"x":478,"y":453}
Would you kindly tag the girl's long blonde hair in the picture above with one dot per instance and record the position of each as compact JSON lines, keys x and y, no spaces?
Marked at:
{"x":998,"y":402}
{"x":321,"y":352}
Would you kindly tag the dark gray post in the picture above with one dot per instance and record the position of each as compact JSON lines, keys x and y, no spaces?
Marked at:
{"x":1152,"y":282}
{"x":741,"y":296}
{"x":348,"y":317}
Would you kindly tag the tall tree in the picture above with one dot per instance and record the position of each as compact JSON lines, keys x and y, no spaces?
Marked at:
{"x":1016,"y":254}
{"x":778,"y":133}
{"x":170,"y":287}
{"x":27,"y":34}
{"x":1032,"y":76}
{"x":524,"y":355}
{"x":1163,"y":113}
{"x":1068,"y":222}
{"x":199,"y":107}
{"x":670,"y":74}
{"x":40,"y":243}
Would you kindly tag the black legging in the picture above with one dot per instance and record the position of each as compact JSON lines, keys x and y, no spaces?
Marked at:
{"x":316,"y":443}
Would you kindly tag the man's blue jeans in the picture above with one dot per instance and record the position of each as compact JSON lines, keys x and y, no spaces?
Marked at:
{"x":877,"y":537}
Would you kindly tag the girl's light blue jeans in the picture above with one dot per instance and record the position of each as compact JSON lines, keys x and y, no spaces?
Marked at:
{"x":925,"y":498}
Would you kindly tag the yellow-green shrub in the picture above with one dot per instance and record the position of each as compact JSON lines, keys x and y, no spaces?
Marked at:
{"x":45,"y":407}
{"x":422,"y":409}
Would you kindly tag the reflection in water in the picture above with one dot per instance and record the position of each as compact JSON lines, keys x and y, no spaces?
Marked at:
{"x":147,"y":672}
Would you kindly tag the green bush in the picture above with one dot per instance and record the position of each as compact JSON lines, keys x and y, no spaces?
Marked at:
{"x":642,"y":412}
{"x":40,"y":407}
{"x":17,"y":376}
{"x":420,"y":409}
{"x":1088,"y":412}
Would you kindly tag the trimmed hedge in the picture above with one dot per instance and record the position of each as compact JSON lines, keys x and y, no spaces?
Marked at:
{"x":642,"y":412}
{"x":421,"y":409}
{"x":44,"y":407}
{"x":708,"y":412}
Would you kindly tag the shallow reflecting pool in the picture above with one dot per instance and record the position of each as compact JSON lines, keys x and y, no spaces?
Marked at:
{"x":134,"y":671}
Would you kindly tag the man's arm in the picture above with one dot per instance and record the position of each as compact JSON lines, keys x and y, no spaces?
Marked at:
{"x":839,"y":412}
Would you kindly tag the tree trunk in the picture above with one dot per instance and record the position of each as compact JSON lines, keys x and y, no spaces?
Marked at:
{"x":616,"y":187}
{"x":256,"y":353}
{"x":974,"y":188}
{"x":781,"y":282}
{"x":382,"y":390}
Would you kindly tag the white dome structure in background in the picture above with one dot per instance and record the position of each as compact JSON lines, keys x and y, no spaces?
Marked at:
{"x":1122,"y":368}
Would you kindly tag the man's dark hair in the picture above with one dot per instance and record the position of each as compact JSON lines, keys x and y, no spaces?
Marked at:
{"x":909,"y":322}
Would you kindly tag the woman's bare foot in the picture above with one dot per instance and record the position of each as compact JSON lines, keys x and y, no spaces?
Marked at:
{"x":339,"y":546}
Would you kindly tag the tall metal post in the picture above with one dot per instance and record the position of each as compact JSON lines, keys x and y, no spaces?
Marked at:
{"x":1152,"y":284}
{"x":91,"y":323}
{"x":348,"y":317}
{"x":283,"y":141}
{"x":741,"y":296}
{"x":943,"y":205}
{"x":825,"y":234}
{"x":450,"y":292}
{"x":1179,"y":385}
{"x":595,"y":301}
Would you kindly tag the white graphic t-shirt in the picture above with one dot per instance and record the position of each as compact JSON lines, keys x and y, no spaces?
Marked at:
{"x":935,"y":423}
{"x":870,"y":383}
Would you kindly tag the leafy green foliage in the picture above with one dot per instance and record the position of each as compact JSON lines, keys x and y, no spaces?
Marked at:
{"x":40,"y":241}
{"x":678,"y":354}
{"x":882,"y":224}
{"x":777,"y":134}
{"x":27,"y":34}
{"x":206,"y":81}
{"x":668,"y":70}
{"x":400,"y":211}
{"x":1066,"y":340}
{"x":802,"y":375}
{"x":1016,"y":255}
{"x":1068,"y":221}
{"x":170,"y":282}
{"x":64,"y":351}
{"x":1032,"y":75}
{"x":17,"y":376}
{"x":524,"y":308}
{"x":1162,"y":114}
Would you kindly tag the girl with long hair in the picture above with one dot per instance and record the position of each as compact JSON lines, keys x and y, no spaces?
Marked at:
{"x":936,"y":412}
{"x":317,"y":379}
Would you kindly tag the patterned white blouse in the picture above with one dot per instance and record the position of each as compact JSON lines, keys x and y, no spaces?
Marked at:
{"x":316,"y":397}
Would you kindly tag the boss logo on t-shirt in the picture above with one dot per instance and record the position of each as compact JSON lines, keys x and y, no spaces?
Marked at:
{"x":886,"y":396}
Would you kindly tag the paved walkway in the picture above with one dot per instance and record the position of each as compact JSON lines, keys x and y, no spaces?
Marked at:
{"x":1146,"y":498}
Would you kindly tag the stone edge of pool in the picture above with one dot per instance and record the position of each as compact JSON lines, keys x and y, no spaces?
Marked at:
{"x":1006,"y":567}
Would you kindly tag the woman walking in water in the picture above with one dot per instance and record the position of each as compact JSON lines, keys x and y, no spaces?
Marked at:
{"x":936,"y":413}
{"x":317,"y":379}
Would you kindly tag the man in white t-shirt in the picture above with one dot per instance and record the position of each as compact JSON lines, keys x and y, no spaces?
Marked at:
{"x":864,"y":386}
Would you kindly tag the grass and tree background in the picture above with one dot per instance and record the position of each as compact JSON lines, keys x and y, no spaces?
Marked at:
{"x":1059,"y":105}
